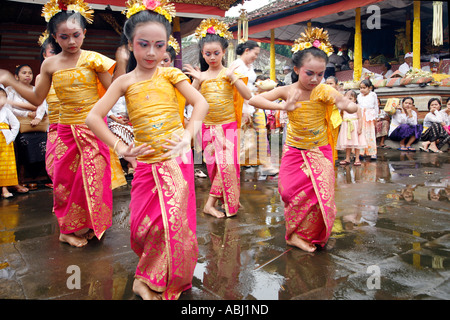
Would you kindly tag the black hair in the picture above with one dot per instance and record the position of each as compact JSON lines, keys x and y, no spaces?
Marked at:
{"x":60,"y":17}
{"x":335,"y":79}
{"x":367,"y":83}
{"x":434,"y":99}
{"x":4,"y":91}
{"x":210,"y":38}
{"x":352,"y":93}
{"x":406,"y":98}
{"x":19,"y":67}
{"x":299,"y":58}
{"x":172,"y":53}
{"x":387,"y":65}
{"x":134,"y":21}
{"x":250,"y":45}
{"x":44,"y":46}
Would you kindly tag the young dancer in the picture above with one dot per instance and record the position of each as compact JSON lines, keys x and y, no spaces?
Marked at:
{"x":220,"y":128}
{"x":9,"y":128}
{"x":306,"y":178}
{"x":350,"y":133}
{"x":368,"y":102}
{"x":82,"y":172}
{"x":163,"y":207}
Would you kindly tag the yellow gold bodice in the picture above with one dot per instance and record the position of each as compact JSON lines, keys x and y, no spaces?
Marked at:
{"x":219,"y":94}
{"x":153,"y":110}
{"x":53,"y":106}
{"x":310,"y":124}
{"x":77,"y":88}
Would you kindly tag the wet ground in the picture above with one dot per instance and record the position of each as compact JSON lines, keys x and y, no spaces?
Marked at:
{"x":391,"y":240}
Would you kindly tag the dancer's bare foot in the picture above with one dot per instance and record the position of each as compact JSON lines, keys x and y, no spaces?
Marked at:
{"x":73,"y":240}
{"x":296,"y":241}
{"x":85,"y":233}
{"x":142,"y":290}
{"x":213,"y":212}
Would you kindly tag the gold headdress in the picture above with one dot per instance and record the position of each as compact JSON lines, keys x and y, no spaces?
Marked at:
{"x":43,"y":37}
{"x":174,"y":44}
{"x":213,"y":26}
{"x":162,"y":7}
{"x":53,"y":7}
{"x":313,"y":37}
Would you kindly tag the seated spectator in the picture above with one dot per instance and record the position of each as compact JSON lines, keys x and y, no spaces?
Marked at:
{"x":434,"y":135}
{"x":404,"y":126}
{"x":387,"y":70}
{"x":445,"y":113}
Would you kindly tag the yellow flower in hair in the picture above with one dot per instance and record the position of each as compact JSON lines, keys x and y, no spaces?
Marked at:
{"x":174,"y":44}
{"x":313,"y":37}
{"x":53,"y":7}
{"x":162,"y":7}
{"x":213,"y":26}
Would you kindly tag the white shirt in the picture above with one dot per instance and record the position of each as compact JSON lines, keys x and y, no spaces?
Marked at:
{"x":369,"y":105}
{"x":251,"y":75}
{"x":401,"y":118}
{"x":404,"y":68}
{"x":20,"y":112}
{"x":445,"y":117}
{"x":431,"y":117}
{"x":6,"y":116}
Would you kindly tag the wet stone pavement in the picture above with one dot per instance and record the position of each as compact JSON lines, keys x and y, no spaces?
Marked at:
{"x":391,"y":240}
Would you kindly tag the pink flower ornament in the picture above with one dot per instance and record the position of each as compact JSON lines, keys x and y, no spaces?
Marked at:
{"x":151,"y":4}
{"x":211,"y":30}
{"x":316,"y":43}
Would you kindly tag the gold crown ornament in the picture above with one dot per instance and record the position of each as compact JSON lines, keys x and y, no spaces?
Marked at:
{"x":43,"y":37}
{"x":313,"y":37}
{"x":53,"y":7}
{"x":163,"y":7}
{"x":213,"y":26}
{"x":174,"y":44}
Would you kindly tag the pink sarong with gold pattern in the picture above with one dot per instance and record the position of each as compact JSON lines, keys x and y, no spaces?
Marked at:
{"x":82,"y":171}
{"x":163,"y":224}
{"x":163,"y":207}
{"x":220,"y":139}
{"x":306,"y":177}
{"x":310,"y":209}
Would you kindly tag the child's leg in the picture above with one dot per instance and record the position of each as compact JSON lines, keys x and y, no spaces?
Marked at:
{"x":357,"y":161}
{"x":348,"y":152}
{"x":410,"y":141}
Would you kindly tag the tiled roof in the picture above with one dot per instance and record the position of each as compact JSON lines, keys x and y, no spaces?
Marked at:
{"x":276,"y":6}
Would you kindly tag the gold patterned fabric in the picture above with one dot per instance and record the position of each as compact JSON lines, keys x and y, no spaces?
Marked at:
{"x":316,"y":122}
{"x":81,"y":163}
{"x":153,"y":109}
{"x":308,"y":124}
{"x":53,"y":106}
{"x":220,"y":96}
{"x":8,"y":170}
{"x":77,"y":88}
